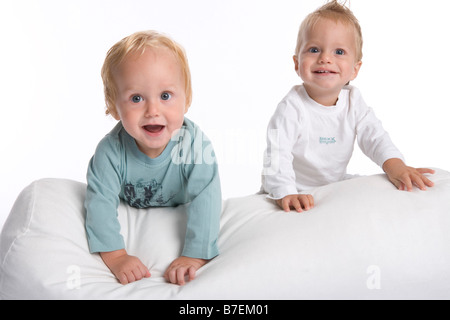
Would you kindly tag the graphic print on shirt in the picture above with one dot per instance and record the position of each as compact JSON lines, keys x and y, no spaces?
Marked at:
{"x":327,"y":140}
{"x":145,"y":194}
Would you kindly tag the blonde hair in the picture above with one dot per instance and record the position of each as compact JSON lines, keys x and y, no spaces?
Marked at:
{"x":337,"y":12}
{"x":137,"y":43}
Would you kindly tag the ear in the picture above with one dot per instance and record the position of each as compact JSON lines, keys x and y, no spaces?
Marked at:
{"x":295,"y":63}
{"x":114,"y":114}
{"x":356,"y":69}
{"x":187,"y":105}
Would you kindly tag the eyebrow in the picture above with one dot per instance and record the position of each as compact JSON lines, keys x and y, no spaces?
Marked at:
{"x":138,"y":89}
{"x":311,"y":44}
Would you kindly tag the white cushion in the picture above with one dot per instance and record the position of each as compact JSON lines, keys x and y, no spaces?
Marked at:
{"x":363,"y":240}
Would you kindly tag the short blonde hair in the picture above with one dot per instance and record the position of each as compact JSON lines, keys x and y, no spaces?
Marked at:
{"x":337,"y":12}
{"x":137,"y":43}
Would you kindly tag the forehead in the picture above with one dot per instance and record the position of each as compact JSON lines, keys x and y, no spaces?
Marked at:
{"x":149,"y":56}
{"x":153,"y":63}
{"x":331,"y":30}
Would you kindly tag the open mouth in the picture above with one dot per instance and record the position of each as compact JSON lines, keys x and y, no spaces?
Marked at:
{"x":157,"y":128}
{"x":324,"y":72}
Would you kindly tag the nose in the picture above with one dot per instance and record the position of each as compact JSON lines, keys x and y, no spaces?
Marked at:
{"x":324,"y":58}
{"x":152,"y":109}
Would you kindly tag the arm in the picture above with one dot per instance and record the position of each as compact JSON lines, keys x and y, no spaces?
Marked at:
{"x":375,"y":142}
{"x":278,"y":177}
{"x":404,"y":177}
{"x":102,"y":225}
{"x":102,"y":199}
{"x":278,"y":173}
{"x":203,"y":212}
{"x":200,"y":244}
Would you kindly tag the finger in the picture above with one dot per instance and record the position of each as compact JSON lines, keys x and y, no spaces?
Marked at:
{"x":283,"y":204}
{"x":408,"y":185}
{"x":142,"y":272}
{"x":192,"y":271}
{"x":279,"y":202}
{"x":137,"y":274}
{"x":122,"y":277}
{"x":425,"y":170}
{"x":145,"y":272}
{"x":306,"y":202}
{"x":286,"y":205}
{"x":130,"y":276}
{"x":427,"y":181}
{"x":398,"y":184}
{"x":172,"y":277}
{"x":296,"y":205}
{"x":169,"y":275}
{"x":305,"y":205}
{"x":166,"y":275}
{"x":311,"y":200}
{"x":404,"y":182}
{"x":180,"y":275}
{"x":417,"y":180}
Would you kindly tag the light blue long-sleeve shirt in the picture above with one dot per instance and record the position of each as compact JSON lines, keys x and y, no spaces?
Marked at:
{"x":185,"y":173}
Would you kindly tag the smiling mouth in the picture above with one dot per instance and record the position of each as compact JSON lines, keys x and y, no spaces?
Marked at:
{"x":324,"y":72}
{"x":154,"y":128}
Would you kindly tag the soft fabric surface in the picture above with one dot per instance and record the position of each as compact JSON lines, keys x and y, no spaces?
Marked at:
{"x":363,"y":240}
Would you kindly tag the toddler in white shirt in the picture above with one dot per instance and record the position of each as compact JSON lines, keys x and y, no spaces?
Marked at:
{"x":310,"y":137}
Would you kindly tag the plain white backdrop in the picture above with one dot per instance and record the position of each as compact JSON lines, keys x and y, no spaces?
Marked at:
{"x":240,"y":54}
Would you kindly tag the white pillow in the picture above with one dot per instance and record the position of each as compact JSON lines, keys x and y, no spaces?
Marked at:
{"x":363,"y":240}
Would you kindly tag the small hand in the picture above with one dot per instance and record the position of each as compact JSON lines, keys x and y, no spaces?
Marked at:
{"x":299,"y":202}
{"x":404,"y":177}
{"x":126,"y":268}
{"x":181,"y":267}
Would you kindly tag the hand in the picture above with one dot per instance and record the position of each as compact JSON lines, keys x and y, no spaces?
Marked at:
{"x":299,"y":202}
{"x":181,"y":267}
{"x":126,"y":268}
{"x":404,"y":177}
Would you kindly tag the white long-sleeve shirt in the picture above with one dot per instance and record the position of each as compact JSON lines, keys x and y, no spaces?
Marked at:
{"x":310,"y":145}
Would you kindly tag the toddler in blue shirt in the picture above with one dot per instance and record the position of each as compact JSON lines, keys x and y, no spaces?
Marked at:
{"x":153,"y":157}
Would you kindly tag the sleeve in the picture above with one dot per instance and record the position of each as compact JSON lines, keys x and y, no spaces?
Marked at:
{"x":102,"y":198}
{"x":205,"y":207}
{"x":283,"y":131}
{"x":373,"y":140}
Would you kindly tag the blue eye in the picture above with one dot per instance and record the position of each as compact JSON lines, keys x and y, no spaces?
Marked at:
{"x":313,"y":50}
{"x":137,"y":98}
{"x":340,"y":52}
{"x":165,"y":96}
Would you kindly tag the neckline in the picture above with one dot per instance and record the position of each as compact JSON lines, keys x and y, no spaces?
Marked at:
{"x":321,"y":108}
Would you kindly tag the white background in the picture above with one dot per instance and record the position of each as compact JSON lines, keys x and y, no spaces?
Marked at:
{"x":240,"y":53}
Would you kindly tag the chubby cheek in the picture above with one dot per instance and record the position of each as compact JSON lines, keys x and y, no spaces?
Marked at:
{"x":130,"y":123}
{"x":302,"y":69}
{"x":175,"y":120}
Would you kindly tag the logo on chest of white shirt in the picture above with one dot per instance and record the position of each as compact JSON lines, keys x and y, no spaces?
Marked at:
{"x":327,"y":140}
